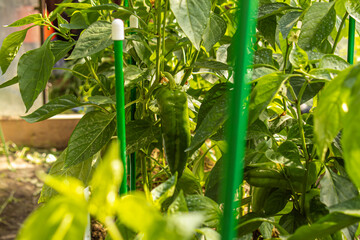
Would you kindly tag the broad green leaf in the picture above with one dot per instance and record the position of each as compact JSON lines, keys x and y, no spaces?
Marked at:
{"x":81,"y":171}
{"x":214,"y":181}
{"x":263,"y":56}
{"x":211,"y":97}
{"x":193,"y":17}
{"x":10,"y":47}
{"x":261,"y":71}
{"x":11,"y":82}
{"x":267,"y":28}
{"x":351,"y":146}
{"x":34,"y":71}
{"x":209,"y":233}
{"x":61,"y":21}
{"x":336,"y":189}
{"x":60,"y":48}
{"x":287,"y":154}
{"x":94,"y":39}
{"x":133,"y":75}
{"x":33,"y":18}
{"x":214,"y":31}
{"x":93,"y":131}
{"x":209,"y":208}
{"x":334,"y":62}
{"x":258,"y":130}
{"x":329,"y":115}
{"x":319,"y":73}
{"x":319,"y":21}
{"x":61,"y":218}
{"x":325,"y":226}
{"x":271,"y":9}
{"x":266,"y":230}
{"x":75,"y":5}
{"x":52,"y":108}
{"x":164,"y":191}
{"x":101,"y":100}
{"x":105,"y":184}
{"x":287,"y":22}
{"x":252,"y":221}
{"x":310,"y":91}
{"x":298,"y":57}
{"x":213,"y":120}
{"x":182,"y":226}
{"x":178,"y":205}
{"x":77,"y":21}
{"x":133,"y":208}
{"x":292,"y":221}
{"x":353,"y":8}
{"x":139,"y":134}
{"x":304,"y":3}
{"x":262,"y":94}
{"x":350,"y":207}
{"x":276,"y":201}
{"x":214,"y":65}
{"x":188,"y":183}
{"x":108,"y":6}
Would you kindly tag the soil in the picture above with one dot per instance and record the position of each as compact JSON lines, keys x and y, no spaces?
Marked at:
{"x":19,"y":192}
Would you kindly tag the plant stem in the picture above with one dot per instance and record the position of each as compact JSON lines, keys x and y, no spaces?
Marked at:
{"x":92,"y":70}
{"x":163,"y":33}
{"x":158,"y":44}
{"x":286,"y":55}
{"x":112,"y":229}
{"x":190,"y":69}
{"x":339,"y":32}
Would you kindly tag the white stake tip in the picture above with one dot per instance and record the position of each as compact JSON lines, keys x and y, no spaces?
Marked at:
{"x":118,"y":33}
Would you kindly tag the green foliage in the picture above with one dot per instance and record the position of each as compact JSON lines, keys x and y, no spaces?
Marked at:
{"x":302,"y":145}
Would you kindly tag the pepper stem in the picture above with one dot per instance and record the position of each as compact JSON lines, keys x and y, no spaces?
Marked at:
{"x":171,"y":79}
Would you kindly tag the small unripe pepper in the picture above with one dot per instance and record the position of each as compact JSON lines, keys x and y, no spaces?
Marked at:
{"x":175,"y":127}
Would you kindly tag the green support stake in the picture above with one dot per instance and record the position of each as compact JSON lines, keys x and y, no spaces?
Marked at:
{"x":351,"y":42}
{"x":234,"y":169}
{"x":118,"y":36}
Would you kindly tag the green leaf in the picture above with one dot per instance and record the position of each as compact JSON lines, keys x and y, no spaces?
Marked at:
{"x":33,"y":18}
{"x":287,"y":154}
{"x":211,"y":98}
{"x":276,"y":201}
{"x":351,"y":146}
{"x":188,"y":183}
{"x":271,"y":9}
{"x":214,"y":181}
{"x":287,"y":22}
{"x":215,"y":65}
{"x":262,"y":94}
{"x":193,"y":17}
{"x":179,"y":204}
{"x":60,"y":48}
{"x":65,"y":219}
{"x":34,"y":71}
{"x":336,"y":189}
{"x":319,"y":21}
{"x":108,"y":6}
{"x":263,"y":56}
{"x":310,"y":91}
{"x":77,"y":21}
{"x":292,"y":221}
{"x":93,"y":131}
{"x":353,"y":8}
{"x":330,"y":113}
{"x":213,"y":120}
{"x":209,"y":233}
{"x":214,"y":31}
{"x":164,"y":191}
{"x":139,"y":134}
{"x":133,"y":75}
{"x":101,"y":100}
{"x":105,"y":184}
{"x":267,"y":28}
{"x":94,"y":39}
{"x":325,"y":226}
{"x":10,"y":47}
{"x":334,"y":62}
{"x":81,"y":171}
{"x":209,"y":208}
{"x":55,"y":106}
{"x":298,"y":57}
{"x":11,"y":82}
{"x":75,"y":5}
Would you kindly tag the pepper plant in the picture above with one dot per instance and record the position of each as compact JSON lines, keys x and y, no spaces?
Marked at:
{"x":301,"y":176}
